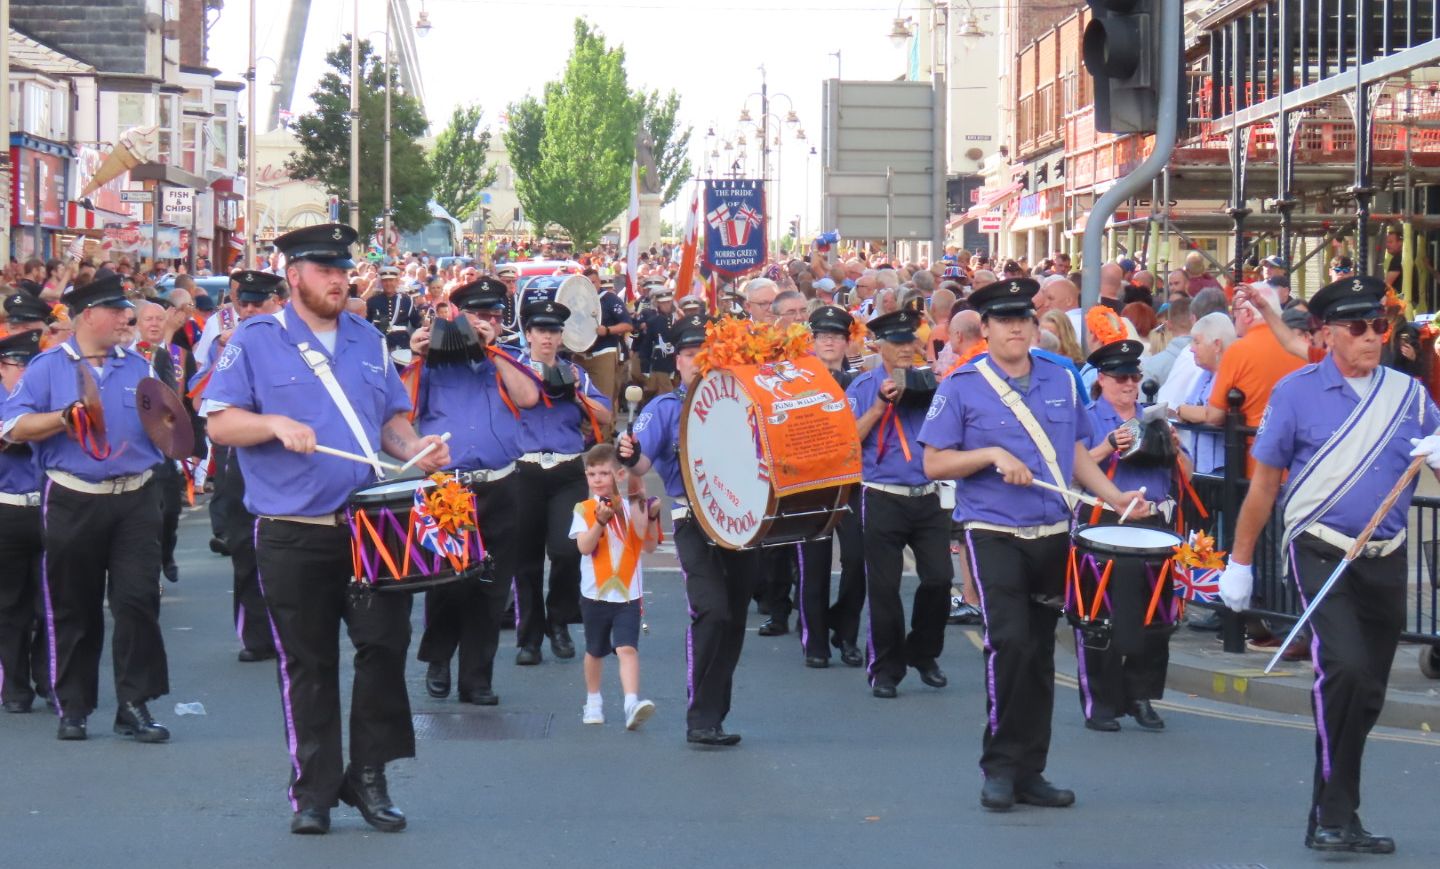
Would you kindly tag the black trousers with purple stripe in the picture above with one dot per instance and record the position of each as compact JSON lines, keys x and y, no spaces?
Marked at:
{"x":252,"y":626}
{"x":891,"y":523}
{"x":822,"y":623}
{"x":1013,"y":576}
{"x":23,"y":647}
{"x":304,"y":575}
{"x":718,"y":585}
{"x":1354,"y":634}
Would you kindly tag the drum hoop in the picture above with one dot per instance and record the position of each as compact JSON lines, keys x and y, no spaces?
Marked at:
{"x":1108,"y":548}
{"x":772,"y":503}
{"x":371,"y":493}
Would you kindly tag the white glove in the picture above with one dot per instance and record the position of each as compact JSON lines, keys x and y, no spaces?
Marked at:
{"x":1429,"y":447}
{"x":1236,"y":583}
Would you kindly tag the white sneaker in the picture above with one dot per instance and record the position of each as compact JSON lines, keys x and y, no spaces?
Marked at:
{"x":593,"y":715}
{"x":638,"y":714}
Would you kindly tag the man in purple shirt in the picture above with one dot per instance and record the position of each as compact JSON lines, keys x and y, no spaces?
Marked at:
{"x":1333,"y":487}
{"x":900,"y":507}
{"x":101,"y":515}
{"x":23,"y":662}
{"x":1016,"y":534}
{"x":271,"y":400}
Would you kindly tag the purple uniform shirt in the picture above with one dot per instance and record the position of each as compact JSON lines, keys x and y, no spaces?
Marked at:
{"x":261,"y":370}
{"x":658,"y":431}
{"x":561,"y":427}
{"x":49,"y":385}
{"x":1305,"y":409}
{"x":892,"y":467}
{"x":967,"y":414}
{"x":464,"y":399}
{"x":1158,"y":481}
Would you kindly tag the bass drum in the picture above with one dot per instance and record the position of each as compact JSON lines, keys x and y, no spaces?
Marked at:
{"x":580,"y":296}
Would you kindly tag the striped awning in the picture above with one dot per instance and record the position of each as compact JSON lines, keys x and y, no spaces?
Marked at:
{"x":78,"y":216}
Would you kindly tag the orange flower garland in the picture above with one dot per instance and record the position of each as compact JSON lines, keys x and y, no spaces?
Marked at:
{"x":1104,"y":325}
{"x":1199,"y":551}
{"x":450,"y":504}
{"x":730,"y":342}
{"x":858,"y":330}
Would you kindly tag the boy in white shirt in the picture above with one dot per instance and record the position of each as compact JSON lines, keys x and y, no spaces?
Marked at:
{"x":613,"y":533}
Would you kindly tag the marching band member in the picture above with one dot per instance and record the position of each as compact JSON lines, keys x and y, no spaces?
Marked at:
{"x":657,"y":356}
{"x":823,"y":625}
{"x":101,"y":516}
{"x":899,"y":507}
{"x":1343,"y":428}
{"x":552,"y":438}
{"x":316,"y":374}
{"x":1124,"y":676}
{"x":983,"y":419}
{"x":718,"y":581}
{"x":391,"y":311}
{"x":25,"y":313}
{"x":23,"y":661}
{"x":479,"y":402}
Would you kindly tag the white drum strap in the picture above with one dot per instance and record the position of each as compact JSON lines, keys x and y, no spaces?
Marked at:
{"x":321,"y":366}
{"x":1027,"y":420}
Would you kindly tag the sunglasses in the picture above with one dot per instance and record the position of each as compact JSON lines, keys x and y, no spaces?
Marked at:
{"x":1357,"y":328}
{"x":1124,"y":378}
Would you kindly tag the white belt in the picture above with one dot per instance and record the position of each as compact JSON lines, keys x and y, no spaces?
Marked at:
{"x":549,"y":460}
{"x":1372,"y":549}
{"x":470,"y":478}
{"x":329,"y":520}
{"x":112,"y":486}
{"x":679,"y":514}
{"x":29,"y":499}
{"x":588,"y":355}
{"x":904,"y":491}
{"x":1024,"y":532}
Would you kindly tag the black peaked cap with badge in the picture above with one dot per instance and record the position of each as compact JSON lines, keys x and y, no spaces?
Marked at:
{"x":255,"y":286}
{"x":544,"y":314}
{"x":897,"y":326}
{"x":107,"y":290}
{"x":832,"y":319}
{"x":22,"y":346}
{"x":327,"y":244}
{"x":479,"y":295}
{"x":25,"y":308}
{"x":689,"y":331}
{"x":1118,"y":357}
{"x":1360,"y":298}
{"x":1010,"y":298}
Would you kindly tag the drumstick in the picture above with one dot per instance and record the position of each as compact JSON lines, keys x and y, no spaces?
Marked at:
{"x":420,"y":455}
{"x":341,"y":454}
{"x":1082,"y":498}
{"x":1129,"y":507}
{"x":633,"y":396}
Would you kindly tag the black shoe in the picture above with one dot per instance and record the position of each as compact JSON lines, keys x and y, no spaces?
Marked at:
{"x":218,"y":547}
{"x":71,"y":729}
{"x":310,"y":822}
{"x":1036,"y":791}
{"x":883,"y":690}
{"x":437,"y":679}
{"x":561,"y":644}
{"x":816,"y":662}
{"x":850,"y":654}
{"x":714,"y":736}
{"x":251,"y":656}
{"x":1365,"y":842}
{"x":1104,"y":725}
{"x":772,"y":628}
{"x":528,"y":656}
{"x":18,"y":707}
{"x":1146,"y":716}
{"x":364,"y":788}
{"x":998,"y":794}
{"x":1210,"y":621}
{"x":962,"y":613}
{"x":1329,"y":839}
{"x":171,"y":571}
{"x":133,"y":719}
{"x":932,"y":675}
{"x":483,"y":697}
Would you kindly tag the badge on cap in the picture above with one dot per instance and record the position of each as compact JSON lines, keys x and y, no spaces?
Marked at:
{"x":337,"y":235}
{"x":249,"y":277}
{"x":1357,"y":287}
{"x":1014,"y":287}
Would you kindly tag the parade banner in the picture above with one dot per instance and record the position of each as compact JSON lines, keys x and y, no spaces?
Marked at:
{"x":735,"y":226}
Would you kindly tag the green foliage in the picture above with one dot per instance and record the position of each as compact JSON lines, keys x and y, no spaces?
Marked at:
{"x":672,"y":144}
{"x":459,"y":163}
{"x":522,"y":143}
{"x":324,"y":137}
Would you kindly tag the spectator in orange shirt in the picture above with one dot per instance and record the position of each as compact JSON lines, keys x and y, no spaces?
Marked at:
{"x":1254,"y":363}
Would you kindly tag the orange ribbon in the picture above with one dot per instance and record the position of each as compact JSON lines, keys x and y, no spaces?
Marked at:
{"x":891,"y":415}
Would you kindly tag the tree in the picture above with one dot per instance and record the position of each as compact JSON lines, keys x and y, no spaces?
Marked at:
{"x":459,"y":163}
{"x":522,"y":144}
{"x":324,"y":136}
{"x":671,"y":143}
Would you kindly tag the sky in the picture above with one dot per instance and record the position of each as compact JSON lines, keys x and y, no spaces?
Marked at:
{"x":494,"y":52}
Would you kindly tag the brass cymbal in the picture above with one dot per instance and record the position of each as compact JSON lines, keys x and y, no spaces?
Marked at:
{"x":89,"y":393}
{"x":164,"y":418}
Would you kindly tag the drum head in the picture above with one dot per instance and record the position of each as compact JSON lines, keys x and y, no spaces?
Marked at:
{"x":580,"y":296}
{"x":389,"y":491}
{"x":725,"y":477}
{"x":1128,"y":539}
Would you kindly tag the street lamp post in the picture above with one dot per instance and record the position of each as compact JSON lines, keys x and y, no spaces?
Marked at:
{"x":355,"y":120}
{"x":250,"y":147}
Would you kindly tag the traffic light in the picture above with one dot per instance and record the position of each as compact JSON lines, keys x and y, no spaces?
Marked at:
{"x":1123,"y":52}
{"x":795,"y":228}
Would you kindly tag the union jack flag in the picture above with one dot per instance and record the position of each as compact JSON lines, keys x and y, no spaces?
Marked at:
{"x":748,"y":214}
{"x":1197,"y":584}
{"x":428,"y":531}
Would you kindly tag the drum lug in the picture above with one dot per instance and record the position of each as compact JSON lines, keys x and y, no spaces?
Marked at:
{"x":360,"y":593}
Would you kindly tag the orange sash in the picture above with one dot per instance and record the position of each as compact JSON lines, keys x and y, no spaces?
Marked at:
{"x":608,"y":576}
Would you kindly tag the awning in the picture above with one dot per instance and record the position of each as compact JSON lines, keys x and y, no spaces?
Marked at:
{"x":1029,"y":222}
{"x":78,"y":216}
{"x":990,"y":198}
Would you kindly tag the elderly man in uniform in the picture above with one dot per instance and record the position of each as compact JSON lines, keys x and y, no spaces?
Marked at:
{"x":717,"y":581}
{"x":391,"y":311}
{"x":657,"y":356}
{"x":900,"y":507}
{"x":101,"y":516}
{"x":995,"y":425}
{"x":480,"y":403}
{"x":1344,"y":429}
{"x":23,"y":662}
{"x":314,"y":374}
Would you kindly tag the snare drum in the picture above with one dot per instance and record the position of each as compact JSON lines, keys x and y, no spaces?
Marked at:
{"x":394,"y":549}
{"x":769,"y":453}
{"x":1118,"y":584}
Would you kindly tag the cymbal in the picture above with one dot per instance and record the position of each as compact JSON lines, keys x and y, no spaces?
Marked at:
{"x":89,"y":393}
{"x":164,"y":418}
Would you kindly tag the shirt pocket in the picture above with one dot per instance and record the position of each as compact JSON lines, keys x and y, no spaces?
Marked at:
{"x":297,"y":395}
